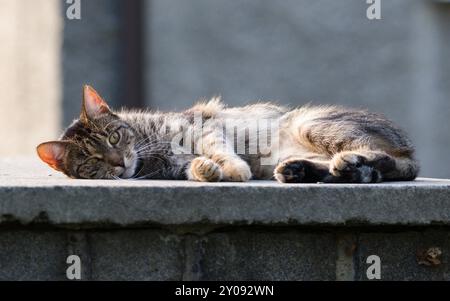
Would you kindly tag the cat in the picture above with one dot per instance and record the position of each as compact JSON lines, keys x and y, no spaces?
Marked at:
{"x":310,"y":144}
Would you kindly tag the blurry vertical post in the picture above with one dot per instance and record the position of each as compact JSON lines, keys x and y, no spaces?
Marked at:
{"x":73,"y":11}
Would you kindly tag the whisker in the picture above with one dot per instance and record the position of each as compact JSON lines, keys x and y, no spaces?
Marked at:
{"x":154,"y":157}
{"x":148,"y":175}
{"x":149,"y":153}
{"x":135,"y":176}
{"x":149,"y":145}
{"x":142,"y":141}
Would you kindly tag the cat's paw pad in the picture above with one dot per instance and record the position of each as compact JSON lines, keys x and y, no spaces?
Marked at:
{"x":236,"y":171}
{"x":290,"y":171}
{"x":204,"y":170}
{"x":353,"y":168}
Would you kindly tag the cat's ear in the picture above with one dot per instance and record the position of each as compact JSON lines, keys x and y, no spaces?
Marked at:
{"x":53,"y":153}
{"x":93,"y":105}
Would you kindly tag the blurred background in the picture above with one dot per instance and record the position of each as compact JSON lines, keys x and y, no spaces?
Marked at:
{"x":166,"y":54}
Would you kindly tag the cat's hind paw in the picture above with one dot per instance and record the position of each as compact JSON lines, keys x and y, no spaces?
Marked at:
{"x":353,"y":168}
{"x":290,"y":171}
{"x":300,"y":171}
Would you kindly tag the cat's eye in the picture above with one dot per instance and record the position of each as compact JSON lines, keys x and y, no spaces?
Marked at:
{"x":114,"y":138}
{"x":91,"y":161}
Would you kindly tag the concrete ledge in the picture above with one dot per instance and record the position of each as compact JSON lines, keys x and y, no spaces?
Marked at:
{"x":32,"y":193}
{"x":175,"y":230}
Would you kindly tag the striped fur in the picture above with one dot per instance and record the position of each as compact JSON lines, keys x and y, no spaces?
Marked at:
{"x":311,"y":144}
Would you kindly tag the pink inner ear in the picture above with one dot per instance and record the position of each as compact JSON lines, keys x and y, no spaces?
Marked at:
{"x":52,"y":153}
{"x":93,"y":103}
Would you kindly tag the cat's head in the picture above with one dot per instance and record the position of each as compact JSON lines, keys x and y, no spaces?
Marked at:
{"x":98,"y":145}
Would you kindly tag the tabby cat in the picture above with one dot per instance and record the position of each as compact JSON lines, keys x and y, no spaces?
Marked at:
{"x":310,"y":144}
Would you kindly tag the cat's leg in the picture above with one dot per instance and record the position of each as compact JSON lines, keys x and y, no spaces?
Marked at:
{"x":203,"y":169}
{"x":364,"y":147}
{"x":370,"y":166}
{"x":215,"y":147}
{"x":301,"y":170}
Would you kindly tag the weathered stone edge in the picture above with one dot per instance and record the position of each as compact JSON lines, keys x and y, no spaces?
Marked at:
{"x":85,"y":207}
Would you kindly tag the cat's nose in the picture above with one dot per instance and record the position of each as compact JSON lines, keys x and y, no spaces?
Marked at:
{"x":115,"y":159}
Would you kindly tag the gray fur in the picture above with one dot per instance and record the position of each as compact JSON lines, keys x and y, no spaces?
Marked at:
{"x":325,"y":143}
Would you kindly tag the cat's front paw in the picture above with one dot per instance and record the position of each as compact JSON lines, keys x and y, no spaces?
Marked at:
{"x":236,"y":171}
{"x":204,"y":170}
{"x":354,"y":168}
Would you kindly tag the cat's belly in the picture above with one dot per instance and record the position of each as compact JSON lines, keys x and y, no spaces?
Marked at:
{"x":262,"y":167}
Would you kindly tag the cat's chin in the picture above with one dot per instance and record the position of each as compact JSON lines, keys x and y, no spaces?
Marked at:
{"x":130,"y":169}
{"x":128,"y":173}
